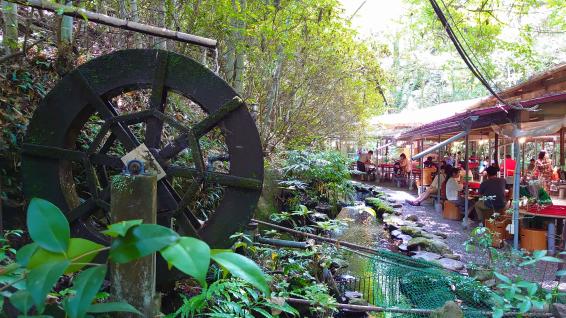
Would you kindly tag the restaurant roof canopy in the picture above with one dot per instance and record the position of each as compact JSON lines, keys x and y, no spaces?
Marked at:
{"x":546,"y":91}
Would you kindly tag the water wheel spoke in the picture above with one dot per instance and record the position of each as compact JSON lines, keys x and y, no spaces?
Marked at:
{"x":188,"y":197}
{"x":90,"y":205}
{"x":158,"y":101}
{"x":107,"y":161}
{"x":204,"y":126}
{"x":214,"y":177}
{"x":106,"y":111}
{"x":53,"y":152}
{"x":83,"y":209}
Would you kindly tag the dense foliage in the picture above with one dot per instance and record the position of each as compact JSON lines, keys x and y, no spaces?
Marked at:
{"x":29,"y":279}
{"x":325,"y":174}
{"x":509,"y":40}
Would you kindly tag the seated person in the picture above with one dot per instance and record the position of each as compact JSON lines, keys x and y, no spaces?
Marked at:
{"x":433,"y":188}
{"x":404,"y":164}
{"x":365,"y":159}
{"x":453,"y":188}
{"x":462,"y":168}
{"x":492,"y":195}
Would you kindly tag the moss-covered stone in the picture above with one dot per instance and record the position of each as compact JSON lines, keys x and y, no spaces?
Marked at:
{"x":415,"y":232}
{"x":380,"y":206}
{"x":430,"y":245}
{"x":449,"y":310}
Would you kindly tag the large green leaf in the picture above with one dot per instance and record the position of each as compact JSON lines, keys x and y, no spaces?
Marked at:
{"x":41,"y":279}
{"x":191,"y":256}
{"x":121,"y":228}
{"x":25,"y":253}
{"x":22,"y":300}
{"x":77,"y":247}
{"x":243,"y":268}
{"x":85,"y":285}
{"x":47,"y":226}
{"x":113,"y":307}
{"x":140,"y":241}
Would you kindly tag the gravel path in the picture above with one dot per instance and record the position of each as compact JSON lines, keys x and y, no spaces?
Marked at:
{"x":457,"y":235}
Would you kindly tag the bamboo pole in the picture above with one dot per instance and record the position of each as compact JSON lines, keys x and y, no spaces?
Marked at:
{"x":369,"y":308}
{"x":117,"y":23}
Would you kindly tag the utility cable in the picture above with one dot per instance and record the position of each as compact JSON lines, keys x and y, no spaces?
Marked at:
{"x":463,"y":54}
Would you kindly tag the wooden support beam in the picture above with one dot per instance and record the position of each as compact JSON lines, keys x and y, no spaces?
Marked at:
{"x":117,"y":23}
{"x":562,"y":130}
{"x":135,"y":197}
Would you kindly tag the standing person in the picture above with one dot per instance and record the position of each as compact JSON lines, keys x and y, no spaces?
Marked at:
{"x":493,"y":190}
{"x":508,"y":166}
{"x":543,"y":168}
{"x":531,"y":167}
{"x":365,"y":159}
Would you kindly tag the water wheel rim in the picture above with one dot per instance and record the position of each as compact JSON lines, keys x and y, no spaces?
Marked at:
{"x":65,"y":107}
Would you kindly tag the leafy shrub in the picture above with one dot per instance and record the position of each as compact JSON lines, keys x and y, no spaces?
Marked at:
{"x":53,"y":254}
{"x":326,"y":174}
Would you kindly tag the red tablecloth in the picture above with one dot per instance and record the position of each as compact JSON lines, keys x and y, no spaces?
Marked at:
{"x":548,"y":210}
{"x":474,"y":185}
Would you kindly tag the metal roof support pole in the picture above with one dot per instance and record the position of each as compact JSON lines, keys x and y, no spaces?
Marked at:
{"x":516,"y":181}
{"x":439,"y":145}
{"x":496,"y":149}
{"x":466,"y":185}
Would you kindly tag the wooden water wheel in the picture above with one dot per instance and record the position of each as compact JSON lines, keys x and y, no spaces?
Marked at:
{"x":80,"y":132}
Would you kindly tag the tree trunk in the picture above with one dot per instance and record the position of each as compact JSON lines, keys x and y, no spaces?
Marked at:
{"x":64,"y":29}
{"x":240,"y":53}
{"x":273,"y":91}
{"x":10,"y":17}
{"x":160,"y":42}
{"x":134,"y":14}
{"x":235,"y":55}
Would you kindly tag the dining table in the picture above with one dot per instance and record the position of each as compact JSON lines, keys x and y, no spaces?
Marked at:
{"x":552,"y":213}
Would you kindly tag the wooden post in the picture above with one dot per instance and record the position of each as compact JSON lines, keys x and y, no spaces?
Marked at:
{"x":135,"y":197}
{"x":466,"y":185}
{"x":516,"y":182}
{"x":562,"y":148}
{"x":496,"y":149}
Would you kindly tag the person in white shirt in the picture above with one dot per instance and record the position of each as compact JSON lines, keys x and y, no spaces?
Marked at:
{"x":433,"y":188}
{"x":453,"y":188}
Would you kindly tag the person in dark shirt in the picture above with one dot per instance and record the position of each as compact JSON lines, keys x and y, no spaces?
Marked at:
{"x":429,"y":163}
{"x":492,"y":194}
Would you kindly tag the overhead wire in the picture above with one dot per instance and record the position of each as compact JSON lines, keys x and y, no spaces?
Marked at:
{"x":464,"y":55}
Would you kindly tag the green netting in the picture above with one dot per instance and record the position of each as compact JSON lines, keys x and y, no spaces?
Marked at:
{"x":404,"y":282}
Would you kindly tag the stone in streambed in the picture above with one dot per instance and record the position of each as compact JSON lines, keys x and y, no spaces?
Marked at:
{"x":396,"y":233}
{"x":427,"y":256}
{"x":360,"y":214}
{"x":415,"y":232}
{"x":423,"y":243}
{"x":452,"y":256}
{"x":405,"y":238}
{"x":441,"y":234}
{"x":449,"y":310}
{"x":451,"y":264}
{"x":412,"y":217}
